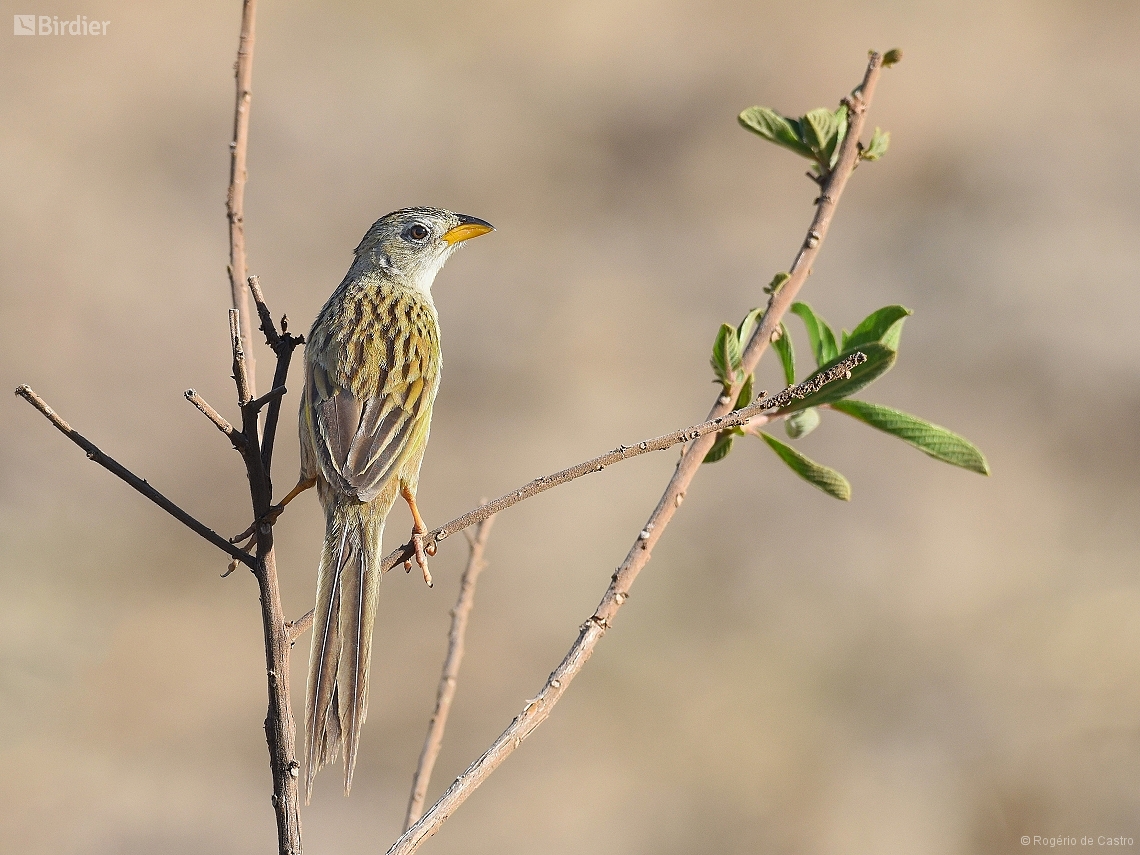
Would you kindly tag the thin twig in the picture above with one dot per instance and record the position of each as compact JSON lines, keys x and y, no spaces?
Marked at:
{"x":116,"y":468}
{"x":753,"y":413}
{"x":263,"y":312}
{"x":448,"y":679}
{"x":539,"y":708}
{"x":235,"y":197}
{"x":297,"y":628}
{"x":268,"y":397}
{"x":241,"y":363}
{"x":232,"y":434}
{"x":283,"y":345}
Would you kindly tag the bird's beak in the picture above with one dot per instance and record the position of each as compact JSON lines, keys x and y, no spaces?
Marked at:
{"x":468,"y":228}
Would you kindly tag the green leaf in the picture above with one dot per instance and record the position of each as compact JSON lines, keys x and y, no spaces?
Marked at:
{"x":841,"y":134}
{"x":877,"y":147}
{"x":777,"y":283}
{"x":816,"y":474}
{"x":799,"y":425}
{"x":726,"y":355}
{"x":892,"y":57}
{"x":876,"y":325}
{"x":783,"y":346}
{"x":744,"y":331}
{"x":721,"y":447}
{"x":774,"y":128}
{"x":891,"y":337}
{"x":745,"y":396}
{"x":880,"y":358}
{"x":822,"y":339}
{"x":819,"y":128}
{"x":931,"y":439}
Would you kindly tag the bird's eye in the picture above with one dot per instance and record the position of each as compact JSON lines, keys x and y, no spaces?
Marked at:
{"x":417,"y":232}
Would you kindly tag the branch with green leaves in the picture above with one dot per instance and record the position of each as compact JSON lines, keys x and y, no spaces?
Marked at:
{"x":877,"y":336}
{"x":738,"y":355}
{"x":817,"y":135}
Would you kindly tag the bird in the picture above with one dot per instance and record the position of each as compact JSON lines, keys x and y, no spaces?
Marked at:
{"x":372,"y":370}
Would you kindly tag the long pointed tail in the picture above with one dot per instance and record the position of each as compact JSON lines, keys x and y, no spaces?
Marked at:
{"x":348,"y":587}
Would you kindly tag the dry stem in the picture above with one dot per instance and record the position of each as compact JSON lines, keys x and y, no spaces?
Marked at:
{"x":448,"y":679}
{"x":235,"y":197}
{"x":537,"y":709}
{"x":116,"y":468}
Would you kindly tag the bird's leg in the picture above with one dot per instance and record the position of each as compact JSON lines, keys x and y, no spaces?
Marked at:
{"x":418,"y":532}
{"x":274,"y":512}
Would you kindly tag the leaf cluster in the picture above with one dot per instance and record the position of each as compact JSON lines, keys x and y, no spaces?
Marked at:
{"x":816,"y":135}
{"x":877,"y":336}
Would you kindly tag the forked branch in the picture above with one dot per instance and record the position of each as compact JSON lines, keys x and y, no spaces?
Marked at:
{"x":538,"y":709}
{"x":753,"y":415}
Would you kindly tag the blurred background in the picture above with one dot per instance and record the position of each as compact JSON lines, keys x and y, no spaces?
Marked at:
{"x":943,"y":665}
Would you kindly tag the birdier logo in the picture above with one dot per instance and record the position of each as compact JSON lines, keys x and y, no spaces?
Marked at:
{"x":51,"y":25}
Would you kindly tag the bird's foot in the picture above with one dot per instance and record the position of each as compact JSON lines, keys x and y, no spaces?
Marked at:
{"x":422,"y":552}
{"x":419,"y":529}
{"x":267,"y":518}
{"x":271,"y":515}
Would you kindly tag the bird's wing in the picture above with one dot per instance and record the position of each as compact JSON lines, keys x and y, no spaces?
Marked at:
{"x":360,"y":440}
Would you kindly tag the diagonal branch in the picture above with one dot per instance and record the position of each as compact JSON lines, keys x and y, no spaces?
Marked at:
{"x":539,"y":708}
{"x":753,"y":414}
{"x":116,"y":468}
{"x":232,"y":434}
{"x":448,"y":679}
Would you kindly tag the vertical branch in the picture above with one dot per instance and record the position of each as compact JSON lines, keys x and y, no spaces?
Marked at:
{"x":283,"y":344}
{"x":447,"y":681}
{"x":280,"y":729}
{"x":241,"y":369}
{"x":235,"y":198}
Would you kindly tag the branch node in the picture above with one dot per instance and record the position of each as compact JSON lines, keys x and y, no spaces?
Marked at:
{"x":272,"y":395}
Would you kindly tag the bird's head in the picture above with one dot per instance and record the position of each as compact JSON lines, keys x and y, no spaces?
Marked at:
{"x":413,"y":243}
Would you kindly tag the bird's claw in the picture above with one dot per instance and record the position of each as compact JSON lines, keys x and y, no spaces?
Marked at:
{"x":422,"y":554}
{"x":267,"y":518}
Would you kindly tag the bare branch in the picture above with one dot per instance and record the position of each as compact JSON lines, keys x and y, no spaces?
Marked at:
{"x":538,"y":708}
{"x":235,"y":197}
{"x":448,"y":679}
{"x":280,"y":730}
{"x":753,"y":413}
{"x":241,"y":372}
{"x":232,"y":434}
{"x":267,"y":326}
{"x":268,"y":397}
{"x":116,"y":468}
{"x":296,"y":628}
{"x":283,"y":345}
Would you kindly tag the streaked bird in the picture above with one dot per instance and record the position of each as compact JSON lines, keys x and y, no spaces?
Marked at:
{"x":372,"y":368}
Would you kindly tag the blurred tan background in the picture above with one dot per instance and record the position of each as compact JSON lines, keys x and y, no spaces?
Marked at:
{"x":943,"y":665}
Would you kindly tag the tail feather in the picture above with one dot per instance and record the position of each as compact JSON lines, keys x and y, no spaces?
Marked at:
{"x":348,"y":588}
{"x":359,"y":594}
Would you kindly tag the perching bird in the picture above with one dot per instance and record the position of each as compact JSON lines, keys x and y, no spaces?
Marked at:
{"x":372,"y":368}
